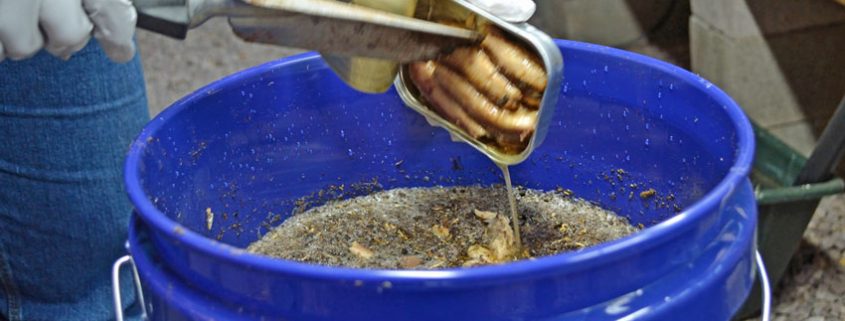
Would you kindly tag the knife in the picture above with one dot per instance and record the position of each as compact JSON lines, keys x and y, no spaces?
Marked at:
{"x":324,"y":25}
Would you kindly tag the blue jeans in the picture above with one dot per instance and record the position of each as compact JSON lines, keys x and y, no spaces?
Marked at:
{"x":64,"y":129}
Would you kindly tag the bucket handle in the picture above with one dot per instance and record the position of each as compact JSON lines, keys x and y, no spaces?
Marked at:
{"x":115,"y":282}
{"x":127,"y":259}
{"x":766,"y":313}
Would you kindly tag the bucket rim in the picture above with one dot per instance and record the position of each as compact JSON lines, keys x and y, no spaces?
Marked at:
{"x":570,"y":261}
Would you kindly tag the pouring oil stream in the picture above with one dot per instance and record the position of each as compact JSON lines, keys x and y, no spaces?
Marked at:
{"x":512,"y":199}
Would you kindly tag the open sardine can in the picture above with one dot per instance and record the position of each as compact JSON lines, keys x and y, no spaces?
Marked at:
{"x":504,"y":110}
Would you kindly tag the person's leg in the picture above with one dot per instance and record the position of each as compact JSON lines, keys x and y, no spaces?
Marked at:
{"x":64,"y":129}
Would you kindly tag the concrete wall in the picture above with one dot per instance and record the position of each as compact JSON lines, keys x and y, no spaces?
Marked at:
{"x":657,"y":28}
{"x":607,"y":22}
{"x":782,"y":61}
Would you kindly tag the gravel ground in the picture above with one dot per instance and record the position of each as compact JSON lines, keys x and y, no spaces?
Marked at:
{"x":814,"y":287}
{"x":813,"y":291}
{"x":174,"y":68}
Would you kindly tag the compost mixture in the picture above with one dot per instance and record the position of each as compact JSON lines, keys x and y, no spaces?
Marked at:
{"x":440,"y":227}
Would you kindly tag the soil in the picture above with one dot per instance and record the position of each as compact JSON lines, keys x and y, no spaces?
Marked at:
{"x":440,"y":227}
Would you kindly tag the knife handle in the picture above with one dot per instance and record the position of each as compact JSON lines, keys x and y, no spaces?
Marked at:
{"x":173,"y":18}
{"x":167,"y":17}
{"x":163,"y":26}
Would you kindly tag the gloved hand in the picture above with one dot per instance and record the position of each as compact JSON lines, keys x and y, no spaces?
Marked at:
{"x":63,"y":27}
{"x":508,"y":10}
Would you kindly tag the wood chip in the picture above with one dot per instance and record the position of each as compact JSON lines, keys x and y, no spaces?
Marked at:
{"x":361,"y":251}
{"x":500,"y":239}
{"x":485,"y":215}
{"x":478,"y":254}
{"x":441,"y":231}
{"x":647,"y":193}
{"x":209,"y":218}
{"x":563,"y":228}
{"x":410,"y":261}
{"x":436,"y":264}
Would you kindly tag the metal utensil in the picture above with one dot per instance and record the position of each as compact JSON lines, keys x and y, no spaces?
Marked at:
{"x":531,"y":38}
{"x":370,"y":75}
{"x":331,"y":27}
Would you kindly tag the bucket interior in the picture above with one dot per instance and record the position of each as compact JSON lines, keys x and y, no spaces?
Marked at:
{"x":251,"y":149}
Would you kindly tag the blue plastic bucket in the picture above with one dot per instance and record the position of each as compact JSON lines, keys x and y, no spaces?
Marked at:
{"x":243,"y":150}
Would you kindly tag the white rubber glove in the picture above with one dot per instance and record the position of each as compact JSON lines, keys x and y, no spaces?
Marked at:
{"x":508,"y":10}
{"x":63,"y":27}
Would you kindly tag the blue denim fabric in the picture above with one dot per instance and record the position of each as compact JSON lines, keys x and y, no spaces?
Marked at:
{"x":64,"y":129}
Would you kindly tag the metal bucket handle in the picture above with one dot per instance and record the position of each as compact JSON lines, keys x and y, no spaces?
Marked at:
{"x":766,"y":312}
{"x":117,"y":296}
{"x":127,"y":259}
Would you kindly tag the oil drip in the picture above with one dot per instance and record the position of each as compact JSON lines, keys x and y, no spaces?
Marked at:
{"x":512,"y":199}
